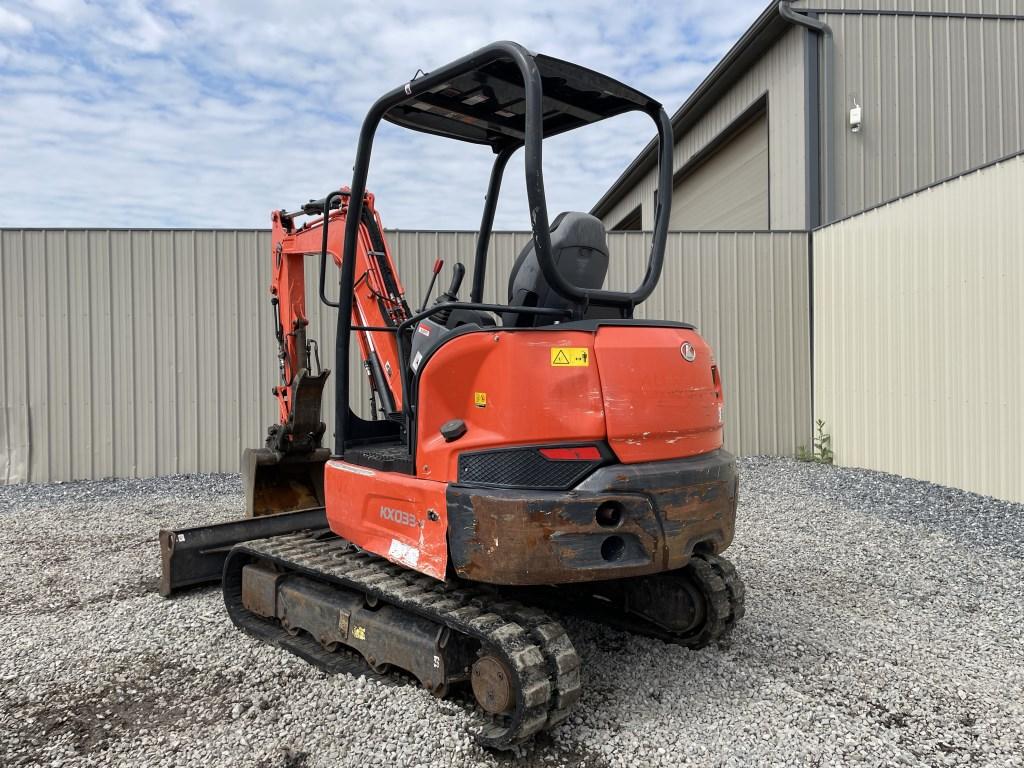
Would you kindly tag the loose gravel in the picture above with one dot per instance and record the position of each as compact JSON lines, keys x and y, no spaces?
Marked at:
{"x":884,"y":627}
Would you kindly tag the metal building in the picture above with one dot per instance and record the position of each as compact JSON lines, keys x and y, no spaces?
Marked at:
{"x":825,"y":108}
{"x":919,"y":333}
{"x":892,"y":130}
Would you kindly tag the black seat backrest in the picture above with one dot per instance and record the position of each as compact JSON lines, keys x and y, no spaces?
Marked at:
{"x":580,"y":253}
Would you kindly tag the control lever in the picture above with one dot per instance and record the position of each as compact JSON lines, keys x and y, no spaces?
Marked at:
{"x":452,"y":294}
{"x":430,"y":288}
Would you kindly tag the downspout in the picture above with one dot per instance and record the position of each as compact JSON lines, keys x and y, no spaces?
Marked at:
{"x":819,"y":120}
{"x":818,"y":155}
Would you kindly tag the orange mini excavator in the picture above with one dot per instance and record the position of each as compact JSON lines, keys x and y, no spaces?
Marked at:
{"x":552,"y":450}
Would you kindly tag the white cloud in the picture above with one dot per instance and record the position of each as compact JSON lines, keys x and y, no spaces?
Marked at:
{"x":14,"y":23}
{"x":193,"y":113}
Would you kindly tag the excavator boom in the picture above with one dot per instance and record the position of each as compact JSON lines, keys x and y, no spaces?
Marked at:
{"x":287,"y":474}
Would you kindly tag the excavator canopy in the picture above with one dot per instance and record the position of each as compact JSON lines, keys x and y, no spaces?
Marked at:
{"x":488,"y":104}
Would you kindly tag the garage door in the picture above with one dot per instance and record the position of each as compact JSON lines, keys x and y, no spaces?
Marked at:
{"x":729,"y":190}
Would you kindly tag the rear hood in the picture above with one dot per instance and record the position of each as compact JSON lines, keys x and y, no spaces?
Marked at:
{"x":662,"y":392}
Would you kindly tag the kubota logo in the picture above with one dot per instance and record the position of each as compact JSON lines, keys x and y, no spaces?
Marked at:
{"x":399,"y":516}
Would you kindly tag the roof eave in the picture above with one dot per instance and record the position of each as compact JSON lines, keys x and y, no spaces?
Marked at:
{"x":766,"y":29}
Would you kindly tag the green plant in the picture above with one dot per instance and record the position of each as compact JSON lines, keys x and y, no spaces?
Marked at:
{"x":821,"y":447}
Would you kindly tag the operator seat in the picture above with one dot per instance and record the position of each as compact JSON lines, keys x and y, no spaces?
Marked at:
{"x":580,"y":253}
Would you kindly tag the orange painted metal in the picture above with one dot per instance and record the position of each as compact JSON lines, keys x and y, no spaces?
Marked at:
{"x":658,"y":404}
{"x":397,"y":516}
{"x":505,"y":388}
{"x":371,"y":306}
{"x":639,"y":391}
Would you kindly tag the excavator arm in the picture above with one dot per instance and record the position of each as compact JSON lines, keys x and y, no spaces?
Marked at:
{"x":287,"y":473}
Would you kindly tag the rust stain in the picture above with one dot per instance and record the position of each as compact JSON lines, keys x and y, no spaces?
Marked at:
{"x":521,"y":541}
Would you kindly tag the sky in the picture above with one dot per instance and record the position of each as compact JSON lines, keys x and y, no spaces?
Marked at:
{"x":194,"y":114}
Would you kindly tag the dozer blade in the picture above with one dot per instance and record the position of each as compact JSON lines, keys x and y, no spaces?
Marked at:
{"x":276,"y":482}
{"x":193,"y":556}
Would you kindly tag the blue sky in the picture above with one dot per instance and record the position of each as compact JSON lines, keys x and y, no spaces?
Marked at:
{"x":185,"y":113}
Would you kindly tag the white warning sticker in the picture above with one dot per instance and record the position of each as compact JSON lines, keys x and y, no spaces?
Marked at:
{"x":403,"y":554}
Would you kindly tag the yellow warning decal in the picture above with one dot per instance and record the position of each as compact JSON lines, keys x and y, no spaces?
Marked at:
{"x":480,"y":399}
{"x":570,"y":357}
{"x":359,"y":633}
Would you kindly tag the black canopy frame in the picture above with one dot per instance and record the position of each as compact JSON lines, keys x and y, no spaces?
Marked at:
{"x":506,"y":97}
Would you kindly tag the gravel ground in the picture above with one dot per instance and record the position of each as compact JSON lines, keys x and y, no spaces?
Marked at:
{"x":884,"y":627}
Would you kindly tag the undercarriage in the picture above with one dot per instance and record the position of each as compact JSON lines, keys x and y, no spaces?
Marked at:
{"x":345,"y":610}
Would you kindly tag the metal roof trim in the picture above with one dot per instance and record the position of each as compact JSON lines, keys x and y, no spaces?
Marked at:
{"x":766,"y":29}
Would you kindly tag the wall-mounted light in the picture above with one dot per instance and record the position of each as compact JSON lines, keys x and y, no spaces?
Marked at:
{"x":855,"y":117}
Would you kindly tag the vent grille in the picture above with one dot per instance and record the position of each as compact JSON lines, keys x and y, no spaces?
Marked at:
{"x":522,"y":468}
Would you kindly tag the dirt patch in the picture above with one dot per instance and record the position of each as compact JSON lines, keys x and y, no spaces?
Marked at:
{"x":288,"y":758}
{"x":149,"y":695}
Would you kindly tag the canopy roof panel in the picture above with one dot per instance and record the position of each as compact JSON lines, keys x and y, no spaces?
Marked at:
{"x":487,"y":104}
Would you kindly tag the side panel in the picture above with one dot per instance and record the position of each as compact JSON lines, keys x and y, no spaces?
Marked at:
{"x":393,"y":515}
{"x":658,"y":403}
{"x":508,"y":390}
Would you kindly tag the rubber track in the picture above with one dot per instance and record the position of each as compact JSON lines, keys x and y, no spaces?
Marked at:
{"x":533,"y":646}
{"x":735,"y":590}
{"x":723,"y":592}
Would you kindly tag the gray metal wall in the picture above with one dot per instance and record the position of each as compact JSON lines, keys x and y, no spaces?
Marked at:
{"x":919,"y":334}
{"x":748,"y":294}
{"x":940,"y":96}
{"x":140,"y":353}
{"x":940,"y":6}
{"x":780,"y":74}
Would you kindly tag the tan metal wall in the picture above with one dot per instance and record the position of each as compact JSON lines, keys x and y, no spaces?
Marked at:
{"x":149,"y":352}
{"x":919,"y":334}
{"x":730,"y":189}
{"x":748,"y":294}
{"x":940,"y":95}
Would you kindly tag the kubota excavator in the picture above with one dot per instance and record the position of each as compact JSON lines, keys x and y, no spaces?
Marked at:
{"x":553,"y":449}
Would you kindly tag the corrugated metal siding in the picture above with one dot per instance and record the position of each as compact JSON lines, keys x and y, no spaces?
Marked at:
{"x":919,"y":334}
{"x":939,"y":96}
{"x":132,"y":353}
{"x":942,"y":6}
{"x":780,"y":73}
{"x":140,"y":353}
{"x":748,"y":294}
